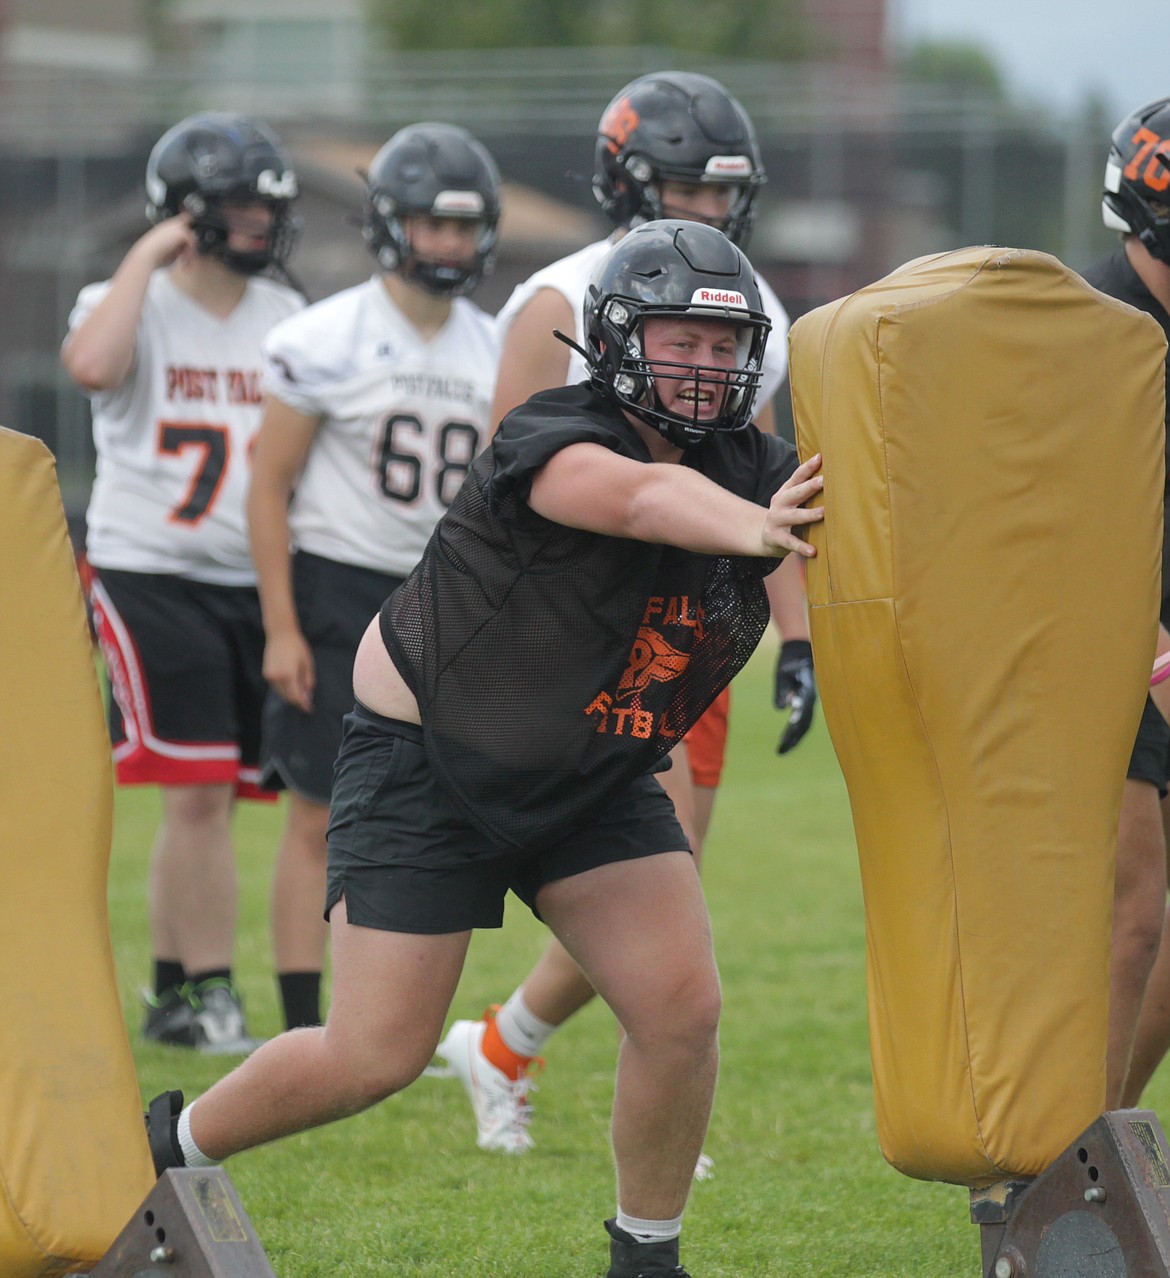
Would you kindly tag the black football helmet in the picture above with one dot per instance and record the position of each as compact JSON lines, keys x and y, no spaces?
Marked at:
{"x":675,"y":126}
{"x":216,"y":158}
{"x":670,"y":269}
{"x":1137,"y":178}
{"x":442,"y":171}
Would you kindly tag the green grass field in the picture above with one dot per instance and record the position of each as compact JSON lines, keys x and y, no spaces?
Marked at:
{"x":800,"y":1188}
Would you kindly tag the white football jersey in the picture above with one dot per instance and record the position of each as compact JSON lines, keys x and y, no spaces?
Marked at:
{"x":570,"y":277}
{"x":401,"y":418}
{"x":173,"y":441}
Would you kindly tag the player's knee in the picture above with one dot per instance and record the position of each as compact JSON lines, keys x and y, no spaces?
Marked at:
{"x":373,"y":1080}
{"x":308,"y":825}
{"x":306,"y":851}
{"x":1137,"y":931}
{"x":705,"y":1008}
{"x":1139,"y":893}
{"x":684,"y":1015}
{"x":374,"y":1072}
{"x":197,"y":805}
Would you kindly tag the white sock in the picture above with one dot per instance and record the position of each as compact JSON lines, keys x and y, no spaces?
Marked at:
{"x":521,"y":1030}
{"x":193,"y":1156}
{"x":648,"y":1231}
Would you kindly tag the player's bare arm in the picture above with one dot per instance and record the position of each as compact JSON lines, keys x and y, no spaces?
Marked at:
{"x":532,"y":359}
{"x":99,"y":353}
{"x":590,"y":487}
{"x":787,"y":601}
{"x":282,"y":446}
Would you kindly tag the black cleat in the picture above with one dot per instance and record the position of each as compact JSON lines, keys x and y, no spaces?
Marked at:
{"x":170,"y":1017}
{"x":162,"y":1131}
{"x":629,"y":1258}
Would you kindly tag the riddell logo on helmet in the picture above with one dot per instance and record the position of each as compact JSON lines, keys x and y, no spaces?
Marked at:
{"x":458,"y":203}
{"x":718,"y":297}
{"x":728,"y":166}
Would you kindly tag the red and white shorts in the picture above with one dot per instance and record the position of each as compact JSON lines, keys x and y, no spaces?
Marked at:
{"x":183,"y":659}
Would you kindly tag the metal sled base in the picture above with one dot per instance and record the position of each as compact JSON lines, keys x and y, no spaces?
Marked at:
{"x":190,"y":1225}
{"x":1101,"y":1210}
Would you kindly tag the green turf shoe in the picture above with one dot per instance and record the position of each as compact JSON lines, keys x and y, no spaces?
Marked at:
{"x":170,"y":1018}
{"x":217,"y":1013}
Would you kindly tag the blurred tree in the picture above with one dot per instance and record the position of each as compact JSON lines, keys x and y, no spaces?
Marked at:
{"x":1024,"y":171}
{"x":760,"y":29}
{"x":956,"y":65}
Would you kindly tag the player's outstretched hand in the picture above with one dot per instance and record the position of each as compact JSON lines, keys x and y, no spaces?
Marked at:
{"x":787,"y":513}
{"x":795,"y":690}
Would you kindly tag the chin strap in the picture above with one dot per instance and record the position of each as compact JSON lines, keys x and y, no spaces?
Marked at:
{"x":568,"y":341}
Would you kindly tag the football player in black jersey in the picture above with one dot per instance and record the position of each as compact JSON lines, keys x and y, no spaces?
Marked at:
{"x":1136,"y":202}
{"x":597,"y":581}
{"x":671,"y":144}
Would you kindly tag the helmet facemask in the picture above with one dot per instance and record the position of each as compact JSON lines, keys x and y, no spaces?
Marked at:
{"x":389,"y":240}
{"x":632,"y":378}
{"x":643,"y":193}
{"x":209,"y":220}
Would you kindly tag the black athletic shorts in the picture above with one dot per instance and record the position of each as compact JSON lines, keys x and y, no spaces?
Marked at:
{"x":1150,"y":760}
{"x":335,"y":603}
{"x":183,"y":659}
{"x":406,"y":860}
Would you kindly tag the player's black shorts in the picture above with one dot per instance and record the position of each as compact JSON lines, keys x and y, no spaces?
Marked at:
{"x":183,"y":659}
{"x":406,"y":860}
{"x":1150,"y":760}
{"x":335,"y":603}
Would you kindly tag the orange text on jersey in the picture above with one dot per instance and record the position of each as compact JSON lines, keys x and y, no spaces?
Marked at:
{"x":241,"y":385}
{"x":675,"y":611}
{"x":187,"y":383}
{"x":633,"y":721}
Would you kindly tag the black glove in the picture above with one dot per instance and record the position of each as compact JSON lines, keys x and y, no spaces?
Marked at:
{"x":796,"y":690}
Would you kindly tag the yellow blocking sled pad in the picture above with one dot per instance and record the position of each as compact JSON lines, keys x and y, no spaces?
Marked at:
{"x":983,"y":610}
{"x":74,"y":1162}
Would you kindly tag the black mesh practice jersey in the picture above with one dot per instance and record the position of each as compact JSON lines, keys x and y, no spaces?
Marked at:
{"x":552,"y":665}
{"x":1116,"y":277}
